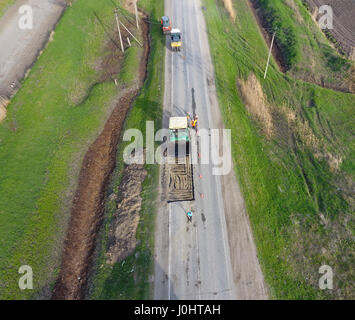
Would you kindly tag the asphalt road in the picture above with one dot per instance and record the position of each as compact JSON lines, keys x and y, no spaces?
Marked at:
{"x":205,"y":258}
{"x":20,"y":48}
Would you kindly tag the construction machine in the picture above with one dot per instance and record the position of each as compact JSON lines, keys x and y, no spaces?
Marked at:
{"x":165,"y":25}
{"x":175,"y":35}
{"x":179,"y":167}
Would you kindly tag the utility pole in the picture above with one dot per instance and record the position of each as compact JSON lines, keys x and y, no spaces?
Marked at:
{"x":136,"y":10}
{"x":268,"y":59}
{"x":119,"y":30}
{"x":131,"y":34}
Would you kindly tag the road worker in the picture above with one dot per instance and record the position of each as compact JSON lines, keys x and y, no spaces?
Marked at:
{"x":194,"y":122}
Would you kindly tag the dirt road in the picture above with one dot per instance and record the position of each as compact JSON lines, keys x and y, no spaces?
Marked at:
{"x":214,"y":256}
{"x":20,"y":48}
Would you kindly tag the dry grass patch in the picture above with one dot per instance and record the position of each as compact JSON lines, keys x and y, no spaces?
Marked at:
{"x":229,"y":6}
{"x":256,"y":104}
{"x":2,"y":113}
{"x":3,"y":104}
{"x":306,"y":134}
{"x":271,"y":120}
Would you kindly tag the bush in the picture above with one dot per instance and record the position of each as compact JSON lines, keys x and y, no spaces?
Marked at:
{"x":286,"y":38}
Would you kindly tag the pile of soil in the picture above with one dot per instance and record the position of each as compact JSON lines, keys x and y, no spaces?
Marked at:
{"x":88,"y":205}
{"x":122,"y":237}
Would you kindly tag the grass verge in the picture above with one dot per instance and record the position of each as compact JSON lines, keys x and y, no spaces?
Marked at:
{"x":299,"y":202}
{"x":59,"y":111}
{"x":131,"y":278}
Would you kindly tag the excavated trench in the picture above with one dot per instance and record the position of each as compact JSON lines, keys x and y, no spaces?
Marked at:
{"x":260,"y":19}
{"x":88,"y":205}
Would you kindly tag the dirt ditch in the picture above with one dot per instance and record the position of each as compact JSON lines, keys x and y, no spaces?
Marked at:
{"x":276,"y":51}
{"x":88,"y":205}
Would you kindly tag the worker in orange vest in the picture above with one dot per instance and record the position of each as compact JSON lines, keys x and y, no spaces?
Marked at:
{"x":194,"y":122}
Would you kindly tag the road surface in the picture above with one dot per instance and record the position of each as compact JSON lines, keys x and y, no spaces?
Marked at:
{"x":214,"y":257}
{"x":20,"y":48}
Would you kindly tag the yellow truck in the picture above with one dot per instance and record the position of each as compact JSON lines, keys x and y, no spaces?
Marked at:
{"x":175,"y":35}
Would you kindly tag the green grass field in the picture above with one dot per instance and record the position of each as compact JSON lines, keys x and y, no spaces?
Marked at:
{"x":130,"y":278}
{"x":307,"y":53}
{"x":59,"y":111}
{"x":301,"y":211}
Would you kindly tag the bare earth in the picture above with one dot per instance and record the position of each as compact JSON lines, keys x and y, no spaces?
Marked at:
{"x":20,"y":48}
{"x":214,"y":256}
{"x":344,"y":22}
